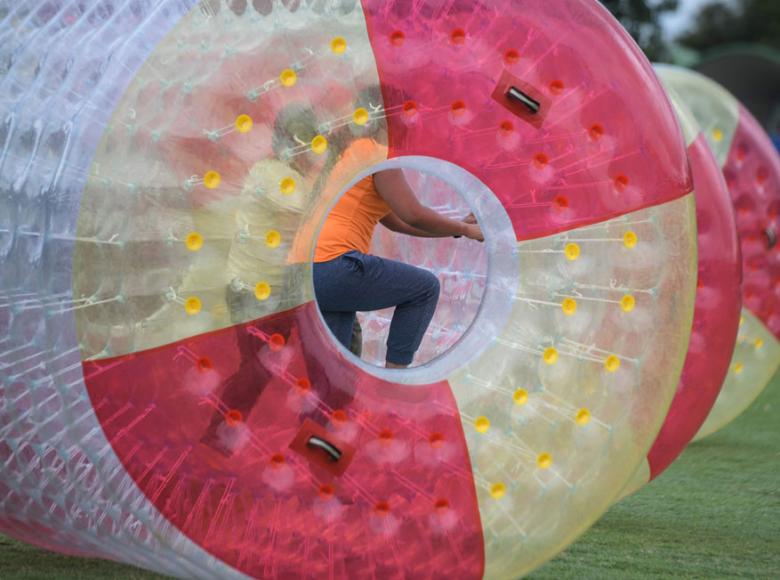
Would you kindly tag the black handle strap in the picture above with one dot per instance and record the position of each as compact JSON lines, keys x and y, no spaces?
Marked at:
{"x":316,"y":443}
{"x":526,"y":100}
{"x":771,"y":237}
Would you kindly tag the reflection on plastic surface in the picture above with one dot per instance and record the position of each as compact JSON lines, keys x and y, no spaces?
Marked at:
{"x":165,"y":170}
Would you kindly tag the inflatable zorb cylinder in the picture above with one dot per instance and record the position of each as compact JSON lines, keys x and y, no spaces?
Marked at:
{"x":751,"y":167}
{"x":717,"y":307}
{"x":170,"y":394}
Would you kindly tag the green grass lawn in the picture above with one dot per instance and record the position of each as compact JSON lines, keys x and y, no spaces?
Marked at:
{"x":714,"y":514}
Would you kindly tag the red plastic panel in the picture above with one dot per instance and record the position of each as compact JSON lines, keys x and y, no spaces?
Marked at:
{"x":609,"y":143}
{"x":752,"y":173}
{"x":204,"y":427}
{"x":716,"y":313}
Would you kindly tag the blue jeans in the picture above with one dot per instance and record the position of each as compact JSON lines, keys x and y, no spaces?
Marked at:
{"x":356,"y":282}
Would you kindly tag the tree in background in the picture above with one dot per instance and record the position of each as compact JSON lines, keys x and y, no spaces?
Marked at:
{"x":642,"y":19}
{"x":729,"y":21}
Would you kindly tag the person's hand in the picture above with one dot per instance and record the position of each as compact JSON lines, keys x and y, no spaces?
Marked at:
{"x":474,"y":232}
{"x":470,"y":219}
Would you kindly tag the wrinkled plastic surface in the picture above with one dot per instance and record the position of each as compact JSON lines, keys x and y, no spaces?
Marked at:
{"x":162,"y":347}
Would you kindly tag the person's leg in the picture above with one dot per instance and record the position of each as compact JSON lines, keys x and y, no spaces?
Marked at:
{"x":411,"y":318}
{"x":242,"y":389}
{"x":362,"y":282}
{"x":341,"y":324}
{"x":356,"y":342}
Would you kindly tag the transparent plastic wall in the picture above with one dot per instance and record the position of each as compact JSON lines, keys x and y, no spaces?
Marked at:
{"x":170,"y":395}
{"x":751,"y":168}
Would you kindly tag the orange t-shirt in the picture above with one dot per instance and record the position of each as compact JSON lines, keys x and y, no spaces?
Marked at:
{"x":351,"y":223}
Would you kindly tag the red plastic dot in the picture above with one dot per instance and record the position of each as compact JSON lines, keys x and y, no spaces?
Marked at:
{"x":277,"y":459}
{"x":762,"y":175}
{"x":458,"y":36}
{"x":621,"y":182}
{"x":304,"y":384}
{"x":382,"y":508}
{"x":511,"y":56}
{"x":507,"y":127}
{"x":276,"y":342}
{"x":326,"y":491}
{"x":397,"y":38}
{"x":436,"y":439}
{"x":386,"y":435}
{"x":596,"y":131}
{"x":339,"y":416}
{"x":204,"y":364}
{"x":233,"y":418}
{"x":458,"y":108}
{"x":742,"y":151}
{"x":556,"y":87}
{"x":561,"y":202}
{"x":541,"y":160}
{"x":442,"y":504}
{"x":410,"y":108}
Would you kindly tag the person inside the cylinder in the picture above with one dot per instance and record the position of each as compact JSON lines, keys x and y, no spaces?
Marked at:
{"x":347,"y":279}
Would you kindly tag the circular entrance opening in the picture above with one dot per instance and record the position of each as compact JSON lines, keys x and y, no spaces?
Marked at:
{"x":476,"y":280}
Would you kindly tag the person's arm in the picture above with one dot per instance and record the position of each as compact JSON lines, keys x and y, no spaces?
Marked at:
{"x":394,"y":189}
{"x":395,"y":224}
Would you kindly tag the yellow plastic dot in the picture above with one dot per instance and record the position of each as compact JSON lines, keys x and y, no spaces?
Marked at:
{"x":287,"y":186}
{"x":212,"y":179}
{"x":630,"y":239}
{"x":758,"y":343}
{"x":550,"y":355}
{"x":717,"y":135}
{"x":262,"y":291}
{"x":738,"y":368}
{"x":244,"y":123}
{"x":627,"y":303}
{"x":482,"y":424}
{"x":288,"y":77}
{"x":572,"y":251}
{"x":497,"y":490}
{"x":582,"y":417}
{"x":612,"y":363}
{"x":569,"y":306}
{"x":544,"y":461}
{"x":273,"y":239}
{"x":520,"y":397}
{"x":192,"y":305}
{"x":319,"y":144}
{"x":338,"y":45}
{"x":193,"y":241}
{"x":360,"y":116}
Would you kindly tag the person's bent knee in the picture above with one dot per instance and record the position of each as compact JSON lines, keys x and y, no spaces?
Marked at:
{"x":433,"y":286}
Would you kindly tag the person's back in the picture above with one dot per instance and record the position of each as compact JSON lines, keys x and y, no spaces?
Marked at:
{"x":350,"y":224}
